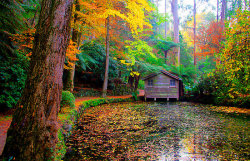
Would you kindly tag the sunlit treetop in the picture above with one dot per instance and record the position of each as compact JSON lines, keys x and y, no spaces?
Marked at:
{"x":94,"y":13}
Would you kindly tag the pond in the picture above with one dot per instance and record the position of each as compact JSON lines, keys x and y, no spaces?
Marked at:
{"x":158,"y":131}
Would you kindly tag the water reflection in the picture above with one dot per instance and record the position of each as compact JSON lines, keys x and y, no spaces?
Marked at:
{"x":202,"y":135}
{"x":161,"y":132}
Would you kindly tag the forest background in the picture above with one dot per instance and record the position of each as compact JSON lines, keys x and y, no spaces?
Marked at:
{"x":109,"y":46}
{"x":113,"y":44}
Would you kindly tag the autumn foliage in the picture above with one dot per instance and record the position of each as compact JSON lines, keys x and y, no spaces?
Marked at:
{"x":71,"y":52}
{"x":235,"y":56}
{"x":24,"y":40}
{"x":229,"y":82}
{"x":210,"y":38}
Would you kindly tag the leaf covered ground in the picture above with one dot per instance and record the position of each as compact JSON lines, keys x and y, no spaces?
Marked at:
{"x":156,"y":131}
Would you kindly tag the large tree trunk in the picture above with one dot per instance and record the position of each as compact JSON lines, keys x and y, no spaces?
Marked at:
{"x":195,"y":33}
{"x":76,"y":37}
{"x":174,"y":7}
{"x":105,"y":83}
{"x":33,"y":131}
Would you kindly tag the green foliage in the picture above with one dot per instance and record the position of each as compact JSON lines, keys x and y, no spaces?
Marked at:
{"x":135,"y":95}
{"x":121,"y":89}
{"x":165,"y":45}
{"x":60,"y":146}
{"x":68,"y":99}
{"x":92,"y":59}
{"x":99,"y":101}
{"x":235,"y":60}
{"x":187,"y":74}
{"x":91,"y":56}
{"x":186,"y":58}
{"x":214,"y":88}
{"x":13,"y":74}
{"x":87,"y":93}
{"x":229,"y":83}
{"x":14,"y":16}
{"x":138,"y":49}
{"x":141,"y":84}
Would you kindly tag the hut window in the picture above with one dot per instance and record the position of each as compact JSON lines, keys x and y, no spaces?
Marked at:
{"x":150,"y":82}
{"x":172,"y":83}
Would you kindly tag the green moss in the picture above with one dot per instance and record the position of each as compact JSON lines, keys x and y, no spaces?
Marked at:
{"x":60,"y":146}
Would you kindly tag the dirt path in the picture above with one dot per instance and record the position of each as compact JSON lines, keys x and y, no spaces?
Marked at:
{"x":5,"y":120}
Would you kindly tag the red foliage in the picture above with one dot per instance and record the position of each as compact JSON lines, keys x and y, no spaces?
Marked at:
{"x":209,"y":38}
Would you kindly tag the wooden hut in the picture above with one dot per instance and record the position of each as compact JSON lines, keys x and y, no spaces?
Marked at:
{"x":163,"y":85}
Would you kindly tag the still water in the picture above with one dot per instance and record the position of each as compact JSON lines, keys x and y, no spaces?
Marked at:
{"x":159,"y":131}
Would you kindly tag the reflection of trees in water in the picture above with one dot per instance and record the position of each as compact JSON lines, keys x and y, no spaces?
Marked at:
{"x":204,"y":134}
{"x":160,"y":132}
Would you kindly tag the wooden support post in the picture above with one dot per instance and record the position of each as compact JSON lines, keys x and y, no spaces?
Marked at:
{"x":154,"y":99}
{"x":145,"y":98}
{"x":168,"y":99}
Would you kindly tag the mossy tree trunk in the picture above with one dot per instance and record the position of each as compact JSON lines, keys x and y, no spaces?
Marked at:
{"x":33,"y":131}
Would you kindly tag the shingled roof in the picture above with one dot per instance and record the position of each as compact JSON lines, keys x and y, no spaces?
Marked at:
{"x":163,"y":72}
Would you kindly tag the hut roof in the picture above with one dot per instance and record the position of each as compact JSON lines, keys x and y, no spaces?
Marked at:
{"x":163,"y":72}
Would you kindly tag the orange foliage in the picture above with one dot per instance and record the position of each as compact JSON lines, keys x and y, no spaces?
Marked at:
{"x":209,"y":38}
{"x":24,"y":40}
{"x":126,"y":16}
{"x":71,"y":55}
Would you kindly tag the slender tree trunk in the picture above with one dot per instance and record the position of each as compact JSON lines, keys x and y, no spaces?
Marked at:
{"x":76,"y":36}
{"x":166,"y":56}
{"x":217,"y":10}
{"x":245,"y":3}
{"x":249,"y":5}
{"x":157,"y":20}
{"x":174,"y":7}
{"x":137,"y":78}
{"x":194,"y":32}
{"x":240,"y":4}
{"x":165,"y":19}
{"x":33,"y":131}
{"x":223,"y":10}
{"x":105,"y":83}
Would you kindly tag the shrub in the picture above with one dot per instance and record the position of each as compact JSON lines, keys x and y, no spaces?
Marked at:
{"x":87,"y":93}
{"x":216,"y":89}
{"x":141,"y":84}
{"x":68,"y":99}
{"x":13,"y":72}
{"x":121,"y":89}
{"x":135,"y":95}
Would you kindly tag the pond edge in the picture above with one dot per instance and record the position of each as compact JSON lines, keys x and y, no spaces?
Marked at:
{"x":68,"y":124}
